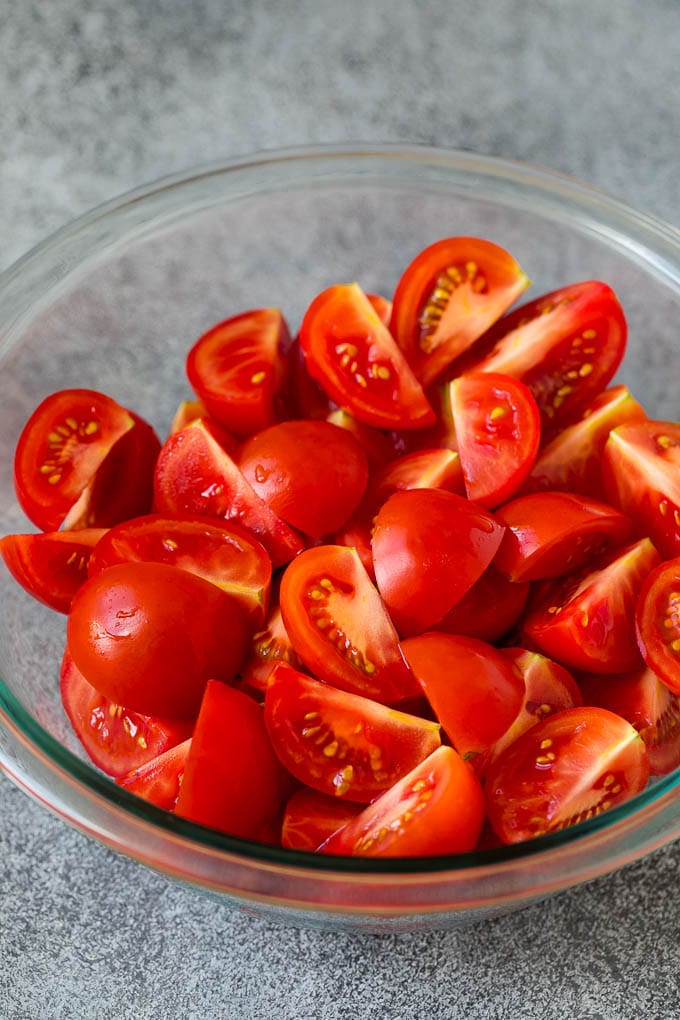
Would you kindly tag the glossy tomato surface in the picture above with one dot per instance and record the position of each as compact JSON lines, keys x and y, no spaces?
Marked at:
{"x":51,"y":566}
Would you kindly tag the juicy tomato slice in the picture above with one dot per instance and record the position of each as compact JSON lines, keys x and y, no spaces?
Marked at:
{"x":474,"y":690}
{"x":159,"y":780}
{"x":553,"y":533}
{"x":648,"y":705}
{"x":351,"y":353}
{"x":490,"y":608}
{"x":571,"y":462}
{"x":340,"y":743}
{"x":339,"y":626}
{"x":641,"y":469}
{"x":657,"y":621}
{"x":429,"y":548}
{"x":115,"y":738}
{"x":567,"y":769}
{"x":566,"y":346}
{"x":438,"y":808}
{"x":498,"y":431}
{"x":450,"y":294}
{"x":311,"y":817}
{"x":149,"y":636}
{"x":238,"y":367}
{"x":310,"y":473}
{"x":587,"y":621}
{"x":196,"y":476}
{"x":227,"y":556}
{"x":268,"y":648}
{"x":51,"y":566}
{"x":233,"y":781}
{"x":60,"y":449}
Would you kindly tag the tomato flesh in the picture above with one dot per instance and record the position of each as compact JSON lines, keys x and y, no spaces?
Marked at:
{"x":51,"y":566}
{"x":311,"y":817}
{"x":159,"y":780}
{"x":657,"y":620}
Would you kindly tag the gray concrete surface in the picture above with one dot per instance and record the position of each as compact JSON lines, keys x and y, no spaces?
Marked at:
{"x":96,"y":97}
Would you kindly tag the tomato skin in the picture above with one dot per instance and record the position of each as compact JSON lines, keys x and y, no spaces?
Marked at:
{"x":233,"y":781}
{"x":351,"y":353}
{"x":553,"y":533}
{"x":537,"y":785}
{"x":238,"y":367}
{"x":448,"y":296}
{"x":311,"y":817}
{"x":429,"y":548}
{"x":657,"y":622}
{"x":160,"y":779}
{"x":310,"y":473}
{"x":50,"y":566}
{"x":149,"y":636}
{"x":115,"y":738}
{"x":376,"y":444}
{"x":438,"y":808}
{"x":489,"y":609}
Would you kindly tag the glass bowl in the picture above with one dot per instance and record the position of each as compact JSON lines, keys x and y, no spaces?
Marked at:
{"x":114,"y":300}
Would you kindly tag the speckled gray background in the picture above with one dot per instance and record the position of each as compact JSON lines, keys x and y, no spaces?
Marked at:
{"x":96,"y":97}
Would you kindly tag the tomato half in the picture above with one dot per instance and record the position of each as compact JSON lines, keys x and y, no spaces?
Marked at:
{"x":657,"y":620}
{"x":115,"y":738}
{"x":159,"y":780}
{"x":567,"y":769}
{"x":238,"y":367}
{"x":351,"y":353}
{"x":438,"y":808}
{"x":149,"y":636}
{"x":450,"y":294}
{"x":311,"y":817}
{"x":51,"y":566}
{"x":498,"y":432}
{"x":641,"y":470}
{"x":429,"y":548}
{"x":339,"y":626}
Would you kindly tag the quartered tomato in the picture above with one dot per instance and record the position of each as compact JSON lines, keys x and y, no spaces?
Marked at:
{"x":657,"y":621}
{"x":52,"y":565}
{"x":498,"y":432}
{"x":339,"y":743}
{"x":351,"y":353}
{"x":339,"y":626}
{"x":311,"y":817}
{"x":641,"y":469}
{"x":159,"y":780}
{"x":567,"y":769}
{"x":450,"y":294}
{"x":269,"y":646}
{"x":489,"y":609}
{"x":438,"y":808}
{"x":238,"y":367}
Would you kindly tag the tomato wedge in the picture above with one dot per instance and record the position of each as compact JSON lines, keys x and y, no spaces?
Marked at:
{"x":438,"y":808}
{"x":351,"y":353}
{"x":51,"y":566}
{"x":657,"y":620}
{"x":450,"y":294}
{"x":159,"y":780}
{"x":489,"y":609}
{"x":311,"y":817}
{"x":340,"y":743}
{"x":567,"y":769}
{"x":268,"y":648}
{"x":339,"y":626}
{"x":238,"y":367}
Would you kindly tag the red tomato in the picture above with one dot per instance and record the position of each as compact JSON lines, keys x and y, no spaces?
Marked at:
{"x":268,"y":648}
{"x":149,"y":636}
{"x":657,"y":621}
{"x":429,"y":548}
{"x":648,"y":705}
{"x":569,"y":768}
{"x":498,"y":431}
{"x":352,"y":354}
{"x":159,"y":780}
{"x":488,"y":609}
{"x":310,"y":473}
{"x":375,"y":444}
{"x":475,"y":691}
{"x":116,"y":739}
{"x":339,"y":626}
{"x":565,"y":346}
{"x":51,"y":566}
{"x":587,"y":621}
{"x":238,"y":367}
{"x":450,"y":294}
{"x":226,"y":556}
{"x":553,"y":533}
{"x":438,"y":808}
{"x":195,"y":476}
{"x":641,"y":469}
{"x":340,"y":743}
{"x":233,"y":781}
{"x":311,"y":817}
{"x":572,"y":462}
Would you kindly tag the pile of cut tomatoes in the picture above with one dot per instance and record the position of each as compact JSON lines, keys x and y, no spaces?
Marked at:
{"x":405,"y":584}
